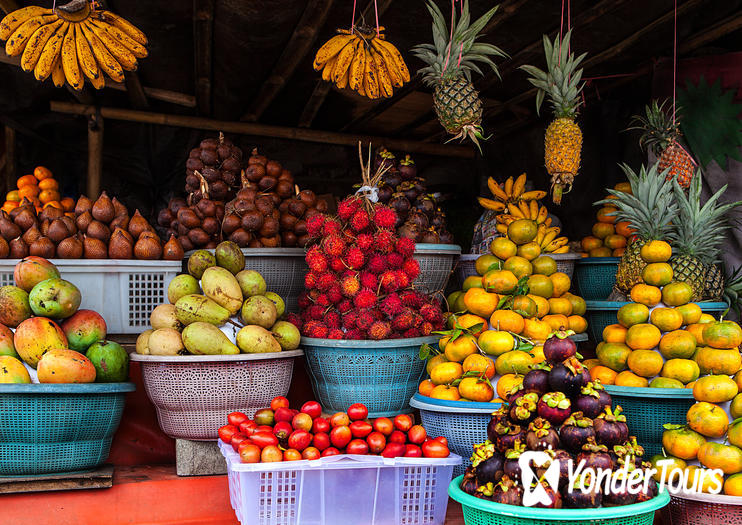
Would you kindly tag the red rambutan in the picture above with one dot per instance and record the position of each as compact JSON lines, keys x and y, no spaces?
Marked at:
{"x":310,"y":280}
{"x":412,"y":268}
{"x":384,"y":241}
{"x":379,"y":330}
{"x":360,"y":220}
{"x":376,"y":264}
{"x":350,"y":319}
{"x":335,"y":294}
{"x":365,"y":298}
{"x":395,"y":260}
{"x":294,"y":319}
{"x":410,"y":333}
{"x":337,"y":265}
{"x":316,"y":262}
{"x":314,"y":224}
{"x":412,"y":299}
{"x":330,"y":227}
{"x":322,"y":300}
{"x":365,"y":241}
{"x":325,"y":281}
{"x":426,"y":328}
{"x":406,"y":246}
{"x":315,"y":329}
{"x":348,"y":207}
{"x":388,"y":281}
{"x":391,"y":305}
{"x":369,"y":280}
{"x":314,"y":312}
{"x":332,"y":320}
{"x":385,"y":217}
{"x":354,"y":258}
{"x":333,"y":245}
{"x":365,"y":319}
{"x":355,"y":334}
{"x":403,"y":281}
{"x":335,"y":333}
{"x":304,"y":301}
{"x":431,"y":313}
{"x":344,"y":306}
{"x":350,"y":286}
{"x":404,"y":320}
{"x":417,"y":320}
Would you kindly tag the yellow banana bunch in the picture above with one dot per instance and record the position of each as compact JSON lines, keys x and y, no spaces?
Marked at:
{"x":364,"y":62}
{"x":72,"y":43}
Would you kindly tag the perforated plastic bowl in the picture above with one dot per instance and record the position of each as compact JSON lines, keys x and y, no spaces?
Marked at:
{"x":193,"y":394}
{"x":383,"y":375}
{"x":436,"y":265}
{"x":705,"y":509}
{"x":481,"y":512}
{"x":463,"y":423}
{"x":595,"y":277}
{"x":647,"y":409}
{"x":58,"y":428}
{"x":565,"y":262}
{"x":466,"y":266}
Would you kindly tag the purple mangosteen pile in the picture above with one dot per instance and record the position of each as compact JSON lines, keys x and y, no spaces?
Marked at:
{"x":558,"y":410}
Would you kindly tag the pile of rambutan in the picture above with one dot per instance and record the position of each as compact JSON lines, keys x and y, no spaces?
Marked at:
{"x":359,"y":284}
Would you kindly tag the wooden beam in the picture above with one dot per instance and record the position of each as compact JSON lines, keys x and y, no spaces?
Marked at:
{"x":381,"y":106}
{"x":293,"y":54}
{"x":203,"y":43}
{"x":507,"y":9}
{"x":715,"y":31}
{"x":9,"y":172}
{"x":95,"y":154}
{"x":137,"y":96}
{"x":264,"y":130}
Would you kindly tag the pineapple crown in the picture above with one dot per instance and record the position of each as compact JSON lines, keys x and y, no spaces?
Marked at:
{"x":733,"y":288}
{"x":699,"y":230}
{"x":659,"y":126}
{"x":561,"y":80}
{"x":442,"y":57}
{"x":650,"y":207}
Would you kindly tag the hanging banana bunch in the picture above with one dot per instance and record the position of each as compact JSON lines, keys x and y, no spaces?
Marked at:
{"x":73,"y":43}
{"x":511,"y":202}
{"x":362,"y":60}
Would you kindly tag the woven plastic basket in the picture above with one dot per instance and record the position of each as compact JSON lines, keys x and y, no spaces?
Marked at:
{"x":58,"y":427}
{"x":480,"y":512}
{"x":465,"y":266}
{"x":565,"y":262}
{"x":595,"y":277}
{"x":705,"y":509}
{"x":647,"y":409}
{"x":193,"y":394}
{"x":463,"y":423}
{"x":436,"y":265}
{"x":383,"y":375}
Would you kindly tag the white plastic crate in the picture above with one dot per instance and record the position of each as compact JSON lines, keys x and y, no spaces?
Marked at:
{"x":124,"y":292}
{"x":347,"y":489}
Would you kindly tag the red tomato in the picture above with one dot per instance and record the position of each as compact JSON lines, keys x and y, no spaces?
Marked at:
{"x":282,"y":430}
{"x":393,"y":450}
{"x":311,"y":453}
{"x":321,"y":440}
{"x":248,"y":452}
{"x":302,"y":421}
{"x":361,"y":429}
{"x":238,"y":438}
{"x":320,"y":425}
{"x":279,"y":402}
{"x":332,"y":451}
{"x":442,"y":439}
{"x":435,"y":449}
{"x":226,"y":432}
{"x":398,"y":437}
{"x":412,"y":451}
{"x":283,"y":414}
{"x":271,"y":454}
{"x":357,"y":446}
{"x":376,"y":442}
{"x":340,"y":436}
{"x":248,"y":427}
{"x":339,"y":419}
{"x":235,"y":418}
{"x":417,"y":434}
{"x":263,"y":439}
{"x":384,"y":425}
{"x":291,"y":454}
{"x":403,"y":422}
{"x":300,"y":439}
{"x":357,"y":411}
{"x":312,"y":408}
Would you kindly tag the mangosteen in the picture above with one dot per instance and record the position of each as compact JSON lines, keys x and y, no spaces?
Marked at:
{"x":385,"y":159}
{"x":537,"y":379}
{"x":469,"y":482}
{"x":407,"y":168}
{"x":425,"y":204}
{"x":559,"y":347}
{"x":564,"y":459}
{"x":524,"y":409}
{"x":619,"y":494}
{"x":595,"y":456}
{"x":409,"y":231}
{"x":418,"y":219}
{"x":430,"y":237}
{"x":592,"y":400}
{"x":498,"y":416}
{"x":541,"y":435}
{"x":610,"y":427}
{"x":508,"y":492}
{"x":583,"y":494}
{"x":512,"y":460}
{"x":507,"y":435}
{"x":629,"y":452}
{"x":651,"y":491}
{"x":393,"y":179}
{"x":445,"y":237}
{"x":487,"y":463}
{"x":568,"y":377}
{"x":400,"y":204}
{"x":554,"y":407}
{"x":575,"y":431}
{"x":438,"y":220}
{"x":485,"y":491}
{"x":555,"y":499}
{"x":408,"y":189}
{"x":385,"y":192}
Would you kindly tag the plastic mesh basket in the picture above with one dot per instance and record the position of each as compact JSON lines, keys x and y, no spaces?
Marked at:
{"x":465,"y":266}
{"x":647,"y":409}
{"x":58,"y":427}
{"x":463,"y":426}
{"x":194,"y":394}
{"x":565,"y":262}
{"x":383,"y":375}
{"x":436,"y":265}
{"x":595,"y":277}
{"x":705,"y":509}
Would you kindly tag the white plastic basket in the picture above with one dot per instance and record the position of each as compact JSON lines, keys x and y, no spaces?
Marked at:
{"x":193,"y":394}
{"x":436,"y":265}
{"x":123,"y":291}
{"x":343,"y":489}
{"x":705,"y":509}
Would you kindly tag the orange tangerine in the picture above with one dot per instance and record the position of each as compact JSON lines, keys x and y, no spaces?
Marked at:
{"x":714,"y":388}
{"x":646,"y":294}
{"x":613,"y":355}
{"x":561,"y":283}
{"x":507,"y":320}
{"x":665,"y":382}
{"x":541,"y":285}
{"x":529,"y":251}
{"x":48,"y":184}
{"x":696,"y":330}
{"x":643,"y":336}
{"x":438,"y":358}
{"x":526,"y":305}
{"x":645,"y":363}
{"x":578,"y":303}
{"x":538,"y":354}
{"x":480,"y":364}
{"x":717,"y":360}
{"x":676,"y":293}
{"x":513,"y":362}
{"x":723,"y":334}
{"x":560,"y":305}
{"x":623,"y":186}
{"x":656,"y":251}
{"x":628,"y":378}
{"x":487,"y":262}
{"x":682,"y":442}
{"x":68,"y":203}
{"x":733,"y":485}
{"x":708,"y":419}
{"x":607,"y":214}
{"x":496,"y":342}
{"x":449,"y":393}
{"x":615,"y":241}
{"x":507,"y":383}
{"x":473,"y":281}
{"x":476,"y":389}
{"x":49,"y":195}
{"x":28,"y":191}
{"x":460,"y":348}
{"x":614,"y":333}
{"x":522,"y":231}
{"x":590,"y":363}
{"x":544,"y":265}
{"x":657,"y":274}
{"x":426,"y":387}
{"x":624,"y":228}
{"x":480,"y":302}
{"x":600,"y":252}
{"x":26,"y":180}
{"x":666,"y":319}
{"x":618,"y":252}
{"x":446,"y":373}
{"x":706,"y":318}
{"x":678,"y":344}
{"x":542,"y":305}
{"x":601,"y":230}
{"x":500,"y":281}
{"x":577,"y":323}
{"x":590,"y":243}
{"x":520,"y":266}
{"x":556,"y":321}
{"x":13,"y":196}
{"x":691,"y":313}
{"x":536,"y":330}
{"x":469,"y":320}
{"x":604,"y":374}
{"x":41,"y":173}
{"x":503,"y":248}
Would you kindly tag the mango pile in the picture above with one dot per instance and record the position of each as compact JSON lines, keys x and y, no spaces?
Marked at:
{"x":218,"y":308}
{"x":609,"y":238}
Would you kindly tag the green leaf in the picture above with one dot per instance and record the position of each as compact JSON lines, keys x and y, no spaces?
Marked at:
{"x":425,"y":351}
{"x":475,"y":328}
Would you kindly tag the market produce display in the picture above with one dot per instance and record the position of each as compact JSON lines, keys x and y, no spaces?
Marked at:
{"x":609,"y":237}
{"x":279,"y":433}
{"x":73,"y":42}
{"x":41,"y":189}
{"x":218,"y":308}
{"x":529,"y":219}
{"x":42,"y":326}
{"x":450,"y":61}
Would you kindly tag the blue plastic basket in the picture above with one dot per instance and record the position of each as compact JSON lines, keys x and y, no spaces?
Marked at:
{"x":647,"y":409}
{"x":463,"y":423}
{"x":595,"y":277}
{"x":58,"y":428}
{"x":602,"y":313}
{"x":383,"y":375}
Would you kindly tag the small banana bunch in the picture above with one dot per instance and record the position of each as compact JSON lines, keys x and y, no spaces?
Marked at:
{"x":362,"y":61}
{"x":72,"y":43}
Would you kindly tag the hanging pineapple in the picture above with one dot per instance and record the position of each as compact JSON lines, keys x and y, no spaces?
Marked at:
{"x":450,"y":61}
{"x":563,"y":140}
{"x":661,"y":135}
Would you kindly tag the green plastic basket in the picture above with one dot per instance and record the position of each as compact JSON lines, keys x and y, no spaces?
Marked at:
{"x":647,"y":409}
{"x":595,"y":277}
{"x":47,"y":428}
{"x":481,"y":512}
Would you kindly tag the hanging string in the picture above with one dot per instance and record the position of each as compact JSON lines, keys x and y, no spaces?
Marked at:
{"x":461,"y":46}
{"x":674,"y":59}
{"x":376,"y":10}
{"x":561,"y":32}
{"x":353,"y":17}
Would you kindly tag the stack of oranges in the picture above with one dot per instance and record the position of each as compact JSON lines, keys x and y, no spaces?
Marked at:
{"x":39,"y":188}
{"x":609,"y":238}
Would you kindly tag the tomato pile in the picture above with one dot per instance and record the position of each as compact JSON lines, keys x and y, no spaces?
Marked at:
{"x":280,"y":433}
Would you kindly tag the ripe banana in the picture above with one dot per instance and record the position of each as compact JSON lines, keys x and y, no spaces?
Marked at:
{"x":509,"y":187}
{"x":394,"y":71}
{"x":344,"y":80}
{"x":120,"y":37}
{"x":57,"y":72}
{"x":68,"y":62}
{"x":19,"y":38}
{"x":345,"y":57}
{"x":371,"y":79}
{"x":85,"y":57}
{"x":50,"y":53}
{"x":397,"y":59}
{"x":556,"y":244}
{"x":519,"y":185}
{"x":533,"y":195}
{"x":515,"y":210}
{"x":331,"y":48}
{"x":103,"y":57}
{"x":523,"y":207}
{"x":549,"y":236}
{"x":563,"y":249}
{"x":121,"y":53}
{"x":357,"y":70}
{"x":490,"y":204}
{"x":533,"y":209}
{"x":15,"y":19}
{"x":501,"y":228}
{"x":385,"y":82}
{"x":36,"y":44}
{"x":543,"y":213}
{"x":547,"y":221}
{"x":496,"y":190}
{"x":122,"y":24}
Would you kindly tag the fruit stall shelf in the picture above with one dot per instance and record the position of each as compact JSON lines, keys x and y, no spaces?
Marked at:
{"x":481,"y":512}
{"x":462,"y":422}
{"x":47,"y":428}
{"x":123,"y":291}
{"x":436,"y":264}
{"x":595,"y":277}
{"x":705,"y":509}
{"x":193,"y":394}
